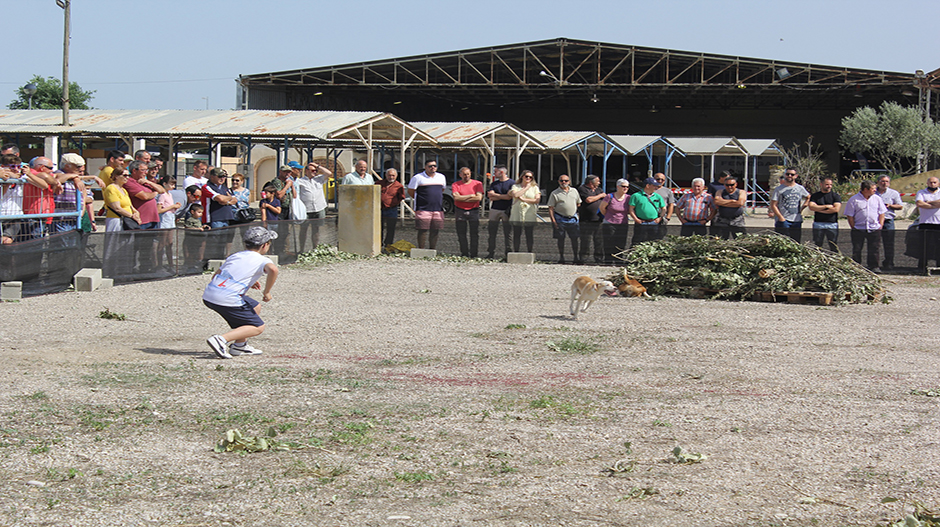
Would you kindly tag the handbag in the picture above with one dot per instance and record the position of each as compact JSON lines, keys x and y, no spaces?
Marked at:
{"x":246,"y":215}
{"x":298,"y":211}
{"x":127,"y":223}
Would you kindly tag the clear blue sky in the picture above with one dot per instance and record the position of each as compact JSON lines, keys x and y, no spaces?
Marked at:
{"x":174,"y":54}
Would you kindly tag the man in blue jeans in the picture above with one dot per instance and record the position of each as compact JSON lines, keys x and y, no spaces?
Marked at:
{"x":826,"y":205}
{"x":787,"y":202}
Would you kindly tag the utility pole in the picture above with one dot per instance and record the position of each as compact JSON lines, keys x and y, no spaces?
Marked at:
{"x":65,"y":5}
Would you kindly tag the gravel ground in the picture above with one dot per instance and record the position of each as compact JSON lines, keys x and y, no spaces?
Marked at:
{"x":446,"y":393}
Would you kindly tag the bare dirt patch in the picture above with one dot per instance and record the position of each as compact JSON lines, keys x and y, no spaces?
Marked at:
{"x":433,"y":393}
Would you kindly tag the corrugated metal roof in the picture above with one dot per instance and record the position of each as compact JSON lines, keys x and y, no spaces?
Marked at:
{"x":707,"y":146}
{"x":635,"y":143}
{"x":505,"y":135}
{"x":323,"y":125}
{"x":761,"y":147}
{"x":563,"y":141}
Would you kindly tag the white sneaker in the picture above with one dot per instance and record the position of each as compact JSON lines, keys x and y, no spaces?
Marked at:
{"x":217,"y":343}
{"x":247,"y":349}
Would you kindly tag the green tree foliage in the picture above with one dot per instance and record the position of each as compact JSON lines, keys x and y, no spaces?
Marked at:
{"x":891,"y":135}
{"x":49,"y":95}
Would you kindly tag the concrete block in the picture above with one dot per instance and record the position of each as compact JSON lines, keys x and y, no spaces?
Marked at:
{"x":520,"y":258}
{"x":423,"y":253}
{"x":87,"y":279}
{"x":273,"y":258}
{"x":359,"y":227}
{"x":106,"y":283}
{"x":11,"y":291}
{"x":214,"y":265}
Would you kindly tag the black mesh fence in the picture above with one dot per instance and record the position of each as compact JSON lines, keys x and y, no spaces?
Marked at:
{"x":46,"y":265}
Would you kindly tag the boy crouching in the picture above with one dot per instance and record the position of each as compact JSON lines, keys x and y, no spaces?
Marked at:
{"x":226,"y":294}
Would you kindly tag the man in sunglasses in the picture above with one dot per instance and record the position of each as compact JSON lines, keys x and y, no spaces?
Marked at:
{"x":787,"y":202}
{"x":728,"y":222}
{"x":38,"y":196}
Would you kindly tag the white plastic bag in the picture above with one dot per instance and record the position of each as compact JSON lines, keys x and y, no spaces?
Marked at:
{"x":298,"y":211}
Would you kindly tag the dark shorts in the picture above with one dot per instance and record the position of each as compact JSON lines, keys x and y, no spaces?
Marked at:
{"x":243,"y":315}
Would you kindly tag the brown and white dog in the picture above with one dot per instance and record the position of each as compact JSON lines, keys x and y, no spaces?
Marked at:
{"x":630,"y":287}
{"x":585,"y":290}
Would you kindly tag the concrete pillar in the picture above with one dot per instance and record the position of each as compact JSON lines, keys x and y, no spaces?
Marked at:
{"x":139,"y":144}
{"x":360,"y":226}
{"x":51,"y":149}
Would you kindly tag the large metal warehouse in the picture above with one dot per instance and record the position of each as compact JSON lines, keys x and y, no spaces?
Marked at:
{"x":565,"y":84}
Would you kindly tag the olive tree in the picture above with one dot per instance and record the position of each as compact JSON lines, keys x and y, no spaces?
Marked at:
{"x":892,"y":135}
{"x":48,"y":95}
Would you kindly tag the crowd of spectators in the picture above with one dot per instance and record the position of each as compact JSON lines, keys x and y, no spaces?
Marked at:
{"x":37,"y":200}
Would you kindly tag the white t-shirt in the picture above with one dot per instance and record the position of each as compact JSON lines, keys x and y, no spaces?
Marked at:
{"x":193,"y":180}
{"x":310,"y":191}
{"x":928,"y":215}
{"x":238,"y":273}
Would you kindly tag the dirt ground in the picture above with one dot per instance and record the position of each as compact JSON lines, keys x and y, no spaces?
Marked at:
{"x":428,"y":393}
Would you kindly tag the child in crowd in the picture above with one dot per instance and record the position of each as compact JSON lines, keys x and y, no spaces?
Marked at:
{"x":270,"y":205}
{"x":194,"y":220}
{"x":226,"y":294}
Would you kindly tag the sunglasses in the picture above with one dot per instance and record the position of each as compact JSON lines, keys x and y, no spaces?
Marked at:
{"x":730,"y":184}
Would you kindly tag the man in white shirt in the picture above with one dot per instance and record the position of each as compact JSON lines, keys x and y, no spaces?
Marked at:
{"x":199,"y":175}
{"x":310,"y":189}
{"x":892,"y":200}
{"x":928,"y":203}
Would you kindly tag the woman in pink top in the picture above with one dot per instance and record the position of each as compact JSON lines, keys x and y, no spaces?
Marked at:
{"x":616,"y":220}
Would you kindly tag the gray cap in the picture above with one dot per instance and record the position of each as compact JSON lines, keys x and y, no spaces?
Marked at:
{"x":259,"y":236}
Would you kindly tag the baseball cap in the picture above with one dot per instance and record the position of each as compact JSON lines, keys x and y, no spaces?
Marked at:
{"x":294,"y":164}
{"x":72,"y":159}
{"x":218,"y":172}
{"x":652,"y":181}
{"x":259,"y":235}
{"x":285,"y":168}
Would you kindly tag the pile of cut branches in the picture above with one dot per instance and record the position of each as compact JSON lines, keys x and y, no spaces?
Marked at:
{"x":739,"y":268}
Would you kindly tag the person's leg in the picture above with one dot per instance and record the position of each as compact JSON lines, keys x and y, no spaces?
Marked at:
{"x":461,"y":223}
{"x":607,"y":234}
{"x":832,"y":237}
{"x":887,"y":240}
{"x":422,"y":238}
{"x":796,"y":231}
{"x":819,"y":236}
{"x":240,"y":334}
{"x":474,"y":225}
{"x":506,"y":228}
{"x":782,"y":227}
{"x":560,"y":234}
{"x":492,"y":227}
{"x":390,"y":223}
{"x":516,"y":237}
{"x":529,"y":236}
{"x":432,"y":238}
{"x":858,"y":240}
{"x":574,"y":234}
{"x":587,"y":234}
{"x":874,"y":246}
